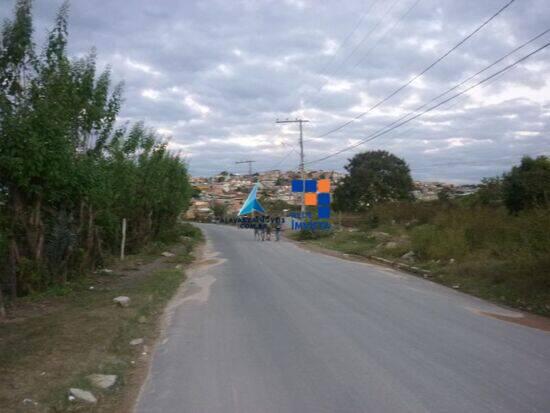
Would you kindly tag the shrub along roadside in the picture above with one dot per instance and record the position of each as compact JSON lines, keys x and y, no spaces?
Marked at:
{"x":56,"y":342}
{"x":69,"y":173}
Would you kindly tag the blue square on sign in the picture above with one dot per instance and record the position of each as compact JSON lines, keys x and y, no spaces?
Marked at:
{"x":297,"y":185}
{"x":311,"y":185}
{"x":323,"y":212}
{"x":323,"y":198}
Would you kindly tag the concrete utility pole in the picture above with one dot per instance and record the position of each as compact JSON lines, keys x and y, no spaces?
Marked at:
{"x":249,"y":166}
{"x":302,"y":169}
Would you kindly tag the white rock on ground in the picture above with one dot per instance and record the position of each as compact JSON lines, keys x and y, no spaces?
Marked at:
{"x":103,"y":381}
{"x":408,"y":256}
{"x":136,"y":341}
{"x":82,"y":395}
{"x":122,"y":301}
{"x":167,"y":254}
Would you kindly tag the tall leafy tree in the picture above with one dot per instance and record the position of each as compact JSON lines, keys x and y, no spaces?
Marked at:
{"x":68,"y":173}
{"x":527,"y":185}
{"x":373,"y":177}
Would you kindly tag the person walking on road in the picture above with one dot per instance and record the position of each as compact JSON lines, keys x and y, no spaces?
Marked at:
{"x":256,"y":232}
{"x":262,"y":231}
{"x":278,"y":227}
{"x":268,"y":232}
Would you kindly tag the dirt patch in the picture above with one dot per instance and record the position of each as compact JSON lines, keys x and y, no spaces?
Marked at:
{"x":528,"y":320}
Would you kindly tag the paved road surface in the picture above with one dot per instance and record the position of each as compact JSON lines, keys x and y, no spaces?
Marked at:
{"x":270,"y":327}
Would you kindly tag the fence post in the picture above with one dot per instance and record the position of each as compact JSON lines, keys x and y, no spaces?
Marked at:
{"x":123,"y":242}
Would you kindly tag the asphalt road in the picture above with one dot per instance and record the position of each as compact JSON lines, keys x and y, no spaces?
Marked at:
{"x":270,"y":327}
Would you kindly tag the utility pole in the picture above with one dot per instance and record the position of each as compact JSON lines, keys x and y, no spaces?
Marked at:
{"x":249,"y":166}
{"x":302,"y":168}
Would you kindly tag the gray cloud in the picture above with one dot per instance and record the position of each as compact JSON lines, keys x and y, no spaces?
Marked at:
{"x":216,"y":74}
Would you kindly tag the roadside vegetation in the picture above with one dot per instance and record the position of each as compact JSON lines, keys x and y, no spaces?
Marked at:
{"x":53,"y":343}
{"x":494,"y":244}
{"x":69,"y":172}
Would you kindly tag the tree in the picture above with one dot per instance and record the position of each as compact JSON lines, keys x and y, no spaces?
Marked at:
{"x":219,"y":209}
{"x":489,"y":192}
{"x":195,"y":192}
{"x":444,"y":196}
{"x":373,"y":177}
{"x":68,"y":175}
{"x":527,"y":185}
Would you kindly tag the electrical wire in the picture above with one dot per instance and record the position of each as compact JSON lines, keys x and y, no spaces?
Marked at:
{"x":399,"y":89}
{"x":383,"y":132}
{"x":531,"y":40}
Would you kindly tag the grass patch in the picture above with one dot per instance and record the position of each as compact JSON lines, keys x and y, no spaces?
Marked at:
{"x":59,"y":340}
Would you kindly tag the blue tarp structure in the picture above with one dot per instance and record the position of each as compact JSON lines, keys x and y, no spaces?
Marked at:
{"x":251,"y":204}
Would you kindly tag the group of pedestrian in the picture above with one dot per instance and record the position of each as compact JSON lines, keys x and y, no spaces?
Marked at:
{"x":262,"y":231}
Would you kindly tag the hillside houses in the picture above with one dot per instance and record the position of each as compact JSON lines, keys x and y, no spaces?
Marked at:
{"x":231,"y":190}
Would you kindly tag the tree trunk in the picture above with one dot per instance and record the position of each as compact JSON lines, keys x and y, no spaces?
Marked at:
{"x":14,"y":259}
{"x":2,"y":308}
{"x":90,"y":237}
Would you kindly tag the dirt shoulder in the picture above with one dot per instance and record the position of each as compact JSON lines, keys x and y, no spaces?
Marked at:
{"x":51,"y":344}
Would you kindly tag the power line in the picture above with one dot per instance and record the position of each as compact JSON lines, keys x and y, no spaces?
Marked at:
{"x":249,"y":162}
{"x":362,"y":41}
{"x":468,"y":78}
{"x":399,"y":89}
{"x":348,"y":36}
{"x":377,"y":42}
{"x":383,"y":132}
{"x":395,"y":23}
{"x":302,"y":168}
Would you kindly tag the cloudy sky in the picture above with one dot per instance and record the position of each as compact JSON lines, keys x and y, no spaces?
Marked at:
{"x":214,"y":75}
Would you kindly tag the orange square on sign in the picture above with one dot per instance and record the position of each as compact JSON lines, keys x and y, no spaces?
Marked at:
{"x":310,"y":199}
{"x":323,"y":185}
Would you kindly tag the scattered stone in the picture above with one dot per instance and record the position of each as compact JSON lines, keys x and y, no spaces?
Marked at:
{"x":142,"y":319}
{"x":380,"y":234}
{"x":122,"y":301}
{"x":179,"y":267}
{"x":456,"y":286}
{"x":92,"y":287}
{"x":409,"y":256}
{"x":82,"y":395}
{"x":390,"y":245}
{"x":103,"y":381}
{"x":106,"y":271}
{"x":452,"y":261}
{"x":30,"y":402}
{"x":136,"y":341}
{"x":167,"y":254}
